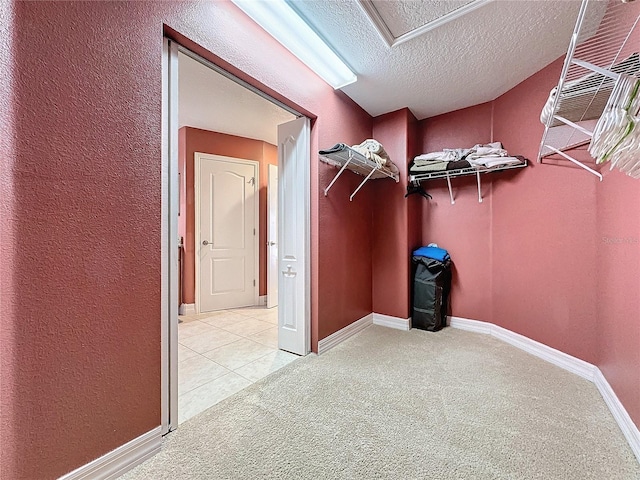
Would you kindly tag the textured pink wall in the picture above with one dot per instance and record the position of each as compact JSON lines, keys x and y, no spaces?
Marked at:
{"x":464,"y":228}
{"x":545,"y":215}
{"x":551,"y":253}
{"x":84,"y":359}
{"x":194,"y":140}
{"x":9,"y":354}
{"x":618,"y":286}
{"x":81,"y":374}
{"x":618,"y":270}
{"x":344,"y":237}
{"x":391,"y":250}
{"x":414,"y":202}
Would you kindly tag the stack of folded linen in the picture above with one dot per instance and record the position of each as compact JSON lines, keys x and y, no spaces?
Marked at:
{"x":479,"y":156}
{"x":448,"y":159}
{"x":370,"y":149}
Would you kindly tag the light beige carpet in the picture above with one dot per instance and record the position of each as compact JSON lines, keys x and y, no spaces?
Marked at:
{"x":388,"y":404}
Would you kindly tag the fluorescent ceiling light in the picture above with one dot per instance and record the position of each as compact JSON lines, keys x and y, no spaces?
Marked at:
{"x":280,"y":21}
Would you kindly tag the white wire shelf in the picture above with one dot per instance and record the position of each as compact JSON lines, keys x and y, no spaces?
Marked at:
{"x":348,"y":159}
{"x":463,"y":172}
{"x":601,"y":48}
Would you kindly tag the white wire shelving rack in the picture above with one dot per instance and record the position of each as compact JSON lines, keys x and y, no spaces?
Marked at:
{"x":349,"y":159}
{"x":462,"y":172}
{"x":604,"y":44}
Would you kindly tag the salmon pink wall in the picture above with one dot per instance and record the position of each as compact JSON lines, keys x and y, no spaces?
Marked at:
{"x":8,"y":298}
{"x":463,"y":228}
{"x":618,"y":286}
{"x":192,"y":140}
{"x":618,"y":268}
{"x":546,"y":216}
{"x":551,"y":253}
{"x":587,"y":297}
{"x":345,"y":240}
{"x":80,"y":350}
{"x":392,"y":239}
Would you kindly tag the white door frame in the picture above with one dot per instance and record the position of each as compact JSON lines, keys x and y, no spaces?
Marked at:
{"x":198,"y":157}
{"x":169,"y":239}
{"x":272,"y":267}
{"x":169,"y":230}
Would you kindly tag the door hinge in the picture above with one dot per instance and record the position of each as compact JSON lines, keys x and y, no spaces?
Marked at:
{"x":254,"y":232}
{"x":254,"y":283}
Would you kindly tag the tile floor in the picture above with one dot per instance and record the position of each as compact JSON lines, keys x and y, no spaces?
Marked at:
{"x":220,"y":353}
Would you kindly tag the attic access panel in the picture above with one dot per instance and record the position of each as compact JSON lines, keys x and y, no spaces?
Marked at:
{"x":402,"y":20}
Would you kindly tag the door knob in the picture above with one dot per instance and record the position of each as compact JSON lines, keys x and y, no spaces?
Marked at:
{"x":270,"y":244}
{"x":206,"y":242}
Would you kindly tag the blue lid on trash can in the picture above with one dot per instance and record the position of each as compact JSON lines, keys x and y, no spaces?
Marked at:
{"x":436,"y":253}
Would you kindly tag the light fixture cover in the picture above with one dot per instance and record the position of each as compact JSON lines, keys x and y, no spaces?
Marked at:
{"x":280,"y":21}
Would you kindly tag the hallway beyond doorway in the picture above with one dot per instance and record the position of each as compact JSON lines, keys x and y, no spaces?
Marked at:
{"x":220,"y":353}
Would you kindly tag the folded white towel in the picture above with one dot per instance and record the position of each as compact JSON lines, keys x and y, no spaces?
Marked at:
{"x":445,"y":156}
{"x":368,"y":154}
{"x":489,"y":150}
{"x":494,"y":161}
{"x":374,"y":146}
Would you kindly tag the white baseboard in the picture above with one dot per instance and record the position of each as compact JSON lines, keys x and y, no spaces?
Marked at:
{"x":262,"y":300}
{"x":540,"y":350}
{"x":392,"y":322}
{"x":187,"y":309}
{"x":341,"y":335}
{"x":629,"y":429}
{"x":122,"y":459}
{"x":572,"y":364}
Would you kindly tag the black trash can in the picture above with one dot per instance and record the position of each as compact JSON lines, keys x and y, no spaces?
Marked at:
{"x":431,"y":287}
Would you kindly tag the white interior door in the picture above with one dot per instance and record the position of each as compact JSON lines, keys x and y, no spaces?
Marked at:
{"x":293,"y":236}
{"x":226,"y":227}
{"x":272,"y":236}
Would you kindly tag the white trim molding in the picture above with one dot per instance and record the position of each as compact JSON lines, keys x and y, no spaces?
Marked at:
{"x":188,"y":309}
{"x":341,"y":335}
{"x":629,"y":429}
{"x":540,"y":350}
{"x":121,"y":460}
{"x":565,"y":361}
{"x":392,"y":322}
{"x":262,"y":300}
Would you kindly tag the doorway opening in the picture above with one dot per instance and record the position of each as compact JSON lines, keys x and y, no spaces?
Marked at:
{"x":232,"y":153}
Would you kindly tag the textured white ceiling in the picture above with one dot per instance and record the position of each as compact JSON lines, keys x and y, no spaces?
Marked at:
{"x":470,"y":60}
{"x":210,"y":101}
